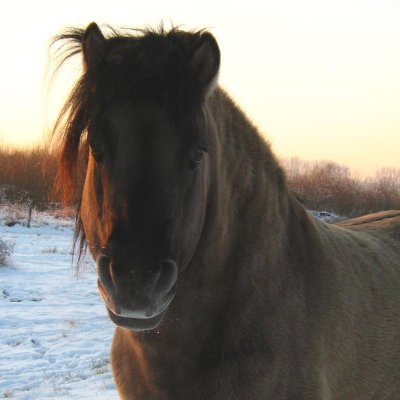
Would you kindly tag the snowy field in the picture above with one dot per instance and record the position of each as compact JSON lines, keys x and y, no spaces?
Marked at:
{"x":55,"y":334}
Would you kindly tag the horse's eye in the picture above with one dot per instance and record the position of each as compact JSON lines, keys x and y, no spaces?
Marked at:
{"x":97,"y":152}
{"x":197,"y":156}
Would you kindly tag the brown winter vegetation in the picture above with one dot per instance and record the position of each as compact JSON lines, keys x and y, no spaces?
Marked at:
{"x":27,"y":174}
{"x":328,"y":186}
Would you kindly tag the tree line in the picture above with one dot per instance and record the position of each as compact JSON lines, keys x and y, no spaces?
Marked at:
{"x":27,"y":175}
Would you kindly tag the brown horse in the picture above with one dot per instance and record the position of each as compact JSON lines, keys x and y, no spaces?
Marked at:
{"x":222,"y":285}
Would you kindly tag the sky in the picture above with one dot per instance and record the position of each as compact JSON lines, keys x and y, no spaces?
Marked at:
{"x":320,"y":79}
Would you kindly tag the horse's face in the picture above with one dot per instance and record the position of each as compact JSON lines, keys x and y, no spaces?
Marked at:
{"x":144,"y":201}
{"x":143,"y":209}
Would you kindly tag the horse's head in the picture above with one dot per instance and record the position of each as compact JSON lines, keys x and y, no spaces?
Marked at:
{"x":147,"y":178}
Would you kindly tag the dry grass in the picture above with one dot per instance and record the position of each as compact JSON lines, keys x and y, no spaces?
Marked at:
{"x":26,"y":175}
{"x":8,"y":394}
{"x":5,"y":252}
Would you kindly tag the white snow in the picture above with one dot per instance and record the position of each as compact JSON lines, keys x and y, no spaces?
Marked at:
{"x":327,"y":216}
{"x":55,"y":334}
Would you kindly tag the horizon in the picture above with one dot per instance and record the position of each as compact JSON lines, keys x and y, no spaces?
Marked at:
{"x":321,"y":81}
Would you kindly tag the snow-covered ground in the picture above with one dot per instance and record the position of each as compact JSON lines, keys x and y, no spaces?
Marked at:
{"x":55,"y":334}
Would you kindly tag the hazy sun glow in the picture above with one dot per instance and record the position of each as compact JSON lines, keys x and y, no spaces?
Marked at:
{"x":320,"y":79}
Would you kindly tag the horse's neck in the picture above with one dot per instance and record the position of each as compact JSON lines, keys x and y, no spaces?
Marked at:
{"x":264,"y":233}
{"x":251,"y":194}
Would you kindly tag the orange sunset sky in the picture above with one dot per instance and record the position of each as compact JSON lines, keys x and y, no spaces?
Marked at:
{"x":321,"y":79}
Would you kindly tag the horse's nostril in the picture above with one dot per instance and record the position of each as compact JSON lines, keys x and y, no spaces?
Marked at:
{"x":168,"y":276}
{"x":142,"y":284}
{"x":105,"y":273}
{"x":103,"y":261}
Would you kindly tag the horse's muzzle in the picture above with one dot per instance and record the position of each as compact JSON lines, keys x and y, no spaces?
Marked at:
{"x":136,"y":298}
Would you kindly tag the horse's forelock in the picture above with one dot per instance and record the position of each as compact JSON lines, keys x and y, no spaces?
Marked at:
{"x":72,"y":123}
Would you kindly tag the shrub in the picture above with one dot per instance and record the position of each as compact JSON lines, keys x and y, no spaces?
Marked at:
{"x":328,"y":186}
{"x":26,"y":175}
{"x":5,"y":252}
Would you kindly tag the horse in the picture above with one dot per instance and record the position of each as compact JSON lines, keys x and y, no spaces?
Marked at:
{"x":221,"y":284}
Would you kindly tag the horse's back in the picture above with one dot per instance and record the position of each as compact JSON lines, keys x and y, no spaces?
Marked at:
{"x":371,"y":243}
{"x":386,"y":221}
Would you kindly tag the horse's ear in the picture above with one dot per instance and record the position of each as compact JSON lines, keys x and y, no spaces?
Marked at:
{"x":93,"y":44}
{"x":206,"y":60}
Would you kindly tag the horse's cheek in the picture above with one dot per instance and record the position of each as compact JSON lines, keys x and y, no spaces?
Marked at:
{"x":194,"y":221}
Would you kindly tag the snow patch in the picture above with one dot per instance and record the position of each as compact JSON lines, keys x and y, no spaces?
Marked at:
{"x":55,"y":335}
